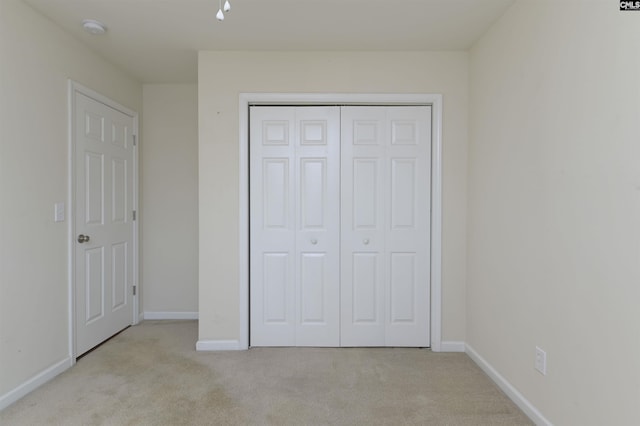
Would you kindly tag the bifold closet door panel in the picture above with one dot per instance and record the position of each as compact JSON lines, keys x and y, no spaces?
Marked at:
{"x":407,"y":236}
{"x":318,"y":226}
{"x":362,"y":241}
{"x":272,"y":226}
{"x":295,"y":226}
{"x":386,"y":158}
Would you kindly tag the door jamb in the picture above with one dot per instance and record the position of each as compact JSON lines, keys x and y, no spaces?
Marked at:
{"x":73,"y":88}
{"x":434,"y":100}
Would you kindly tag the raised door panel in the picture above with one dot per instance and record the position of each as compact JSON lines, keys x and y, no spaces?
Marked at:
{"x":275,"y":132}
{"x":405,"y":131}
{"x":94,"y":285}
{"x":366,"y":192}
{"x":93,"y":125}
{"x":314,"y":193}
{"x":277,"y":287}
{"x":119,"y":188}
{"x":120,"y":133}
{"x":119,"y":275}
{"x":403,"y":193}
{"x":365,"y":297}
{"x":94,"y":200}
{"x":314,"y":131}
{"x":312,"y":289}
{"x":402,"y":289}
{"x":276,"y":193}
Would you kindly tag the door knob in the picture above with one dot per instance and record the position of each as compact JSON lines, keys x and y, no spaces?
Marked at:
{"x":365,"y":241}
{"x":314,"y":241}
{"x":83,"y":238}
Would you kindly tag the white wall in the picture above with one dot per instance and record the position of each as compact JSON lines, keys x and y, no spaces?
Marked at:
{"x":222,"y":76}
{"x":554,"y":207}
{"x":169,"y":213}
{"x":37,"y":59}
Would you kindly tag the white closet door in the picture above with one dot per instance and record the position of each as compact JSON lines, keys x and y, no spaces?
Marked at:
{"x":386,"y":157}
{"x":295,"y":226}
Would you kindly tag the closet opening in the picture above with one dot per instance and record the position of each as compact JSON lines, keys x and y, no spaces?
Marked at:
{"x":365,"y":214}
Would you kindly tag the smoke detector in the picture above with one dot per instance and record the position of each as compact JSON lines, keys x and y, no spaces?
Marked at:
{"x":94,"y":27}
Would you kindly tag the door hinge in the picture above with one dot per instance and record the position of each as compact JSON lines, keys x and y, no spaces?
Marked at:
{"x":135,"y":137}
{"x":134,"y":215}
{"x":134,"y":290}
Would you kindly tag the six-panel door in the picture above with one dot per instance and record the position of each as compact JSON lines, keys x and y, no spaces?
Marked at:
{"x":104,"y":203}
{"x":385,"y":249}
{"x":295,"y":186}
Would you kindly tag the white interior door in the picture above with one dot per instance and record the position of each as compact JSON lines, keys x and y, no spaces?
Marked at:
{"x":104,"y":232}
{"x":386,"y":170}
{"x":295,"y":226}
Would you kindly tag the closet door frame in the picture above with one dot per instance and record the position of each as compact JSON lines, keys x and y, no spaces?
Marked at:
{"x":302,"y":99}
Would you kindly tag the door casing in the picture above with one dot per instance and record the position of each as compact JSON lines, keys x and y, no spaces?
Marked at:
{"x":300,"y":99}
{"x":73,"y":88}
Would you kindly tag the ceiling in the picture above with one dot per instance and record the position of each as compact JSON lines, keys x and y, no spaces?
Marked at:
{"x":157,"y":41}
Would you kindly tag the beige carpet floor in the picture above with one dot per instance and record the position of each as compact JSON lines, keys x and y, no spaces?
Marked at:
{"x":151,"y":375}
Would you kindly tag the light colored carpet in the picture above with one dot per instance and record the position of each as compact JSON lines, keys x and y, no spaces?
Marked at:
{"x":151,"y":375}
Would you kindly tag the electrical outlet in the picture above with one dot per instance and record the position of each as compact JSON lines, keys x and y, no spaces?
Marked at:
{"x":541,"y":361}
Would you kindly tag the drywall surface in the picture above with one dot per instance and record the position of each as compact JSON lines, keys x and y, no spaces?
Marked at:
{"x":38,"y":58}
{"x":554,"y":207}
{"x":222,"y":76}
{"x":169,"y":214}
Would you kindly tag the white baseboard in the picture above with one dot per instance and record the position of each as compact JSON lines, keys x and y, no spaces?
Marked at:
{"x":218,"y":345}
{"x":452,"y":346}
{"x":171,"y":315}
{"x":34,"y":382}
{"x":529,"y":409}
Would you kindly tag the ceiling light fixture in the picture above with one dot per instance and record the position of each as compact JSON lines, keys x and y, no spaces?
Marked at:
{"x":225,"y":8}
{"x":94,"y":27}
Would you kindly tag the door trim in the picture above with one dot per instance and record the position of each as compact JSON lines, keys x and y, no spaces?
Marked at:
{"x":74,"y":88}
{"x":434,"y":100}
